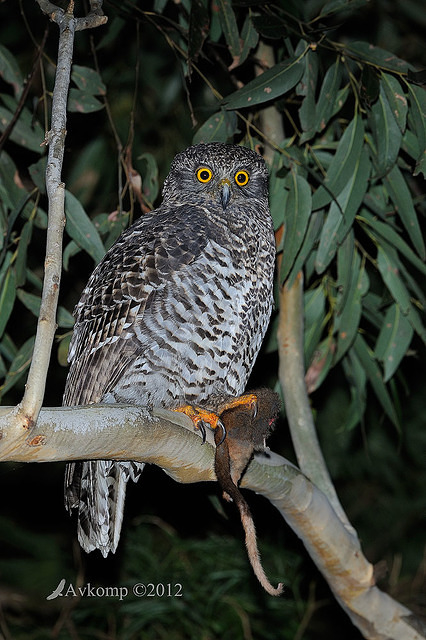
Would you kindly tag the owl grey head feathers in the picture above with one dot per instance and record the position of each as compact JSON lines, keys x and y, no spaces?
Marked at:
{"x":205,"y":169}
{"x":174,"y":313}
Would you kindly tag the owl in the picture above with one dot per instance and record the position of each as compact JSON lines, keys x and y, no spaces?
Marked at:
{"x":174,"y":314}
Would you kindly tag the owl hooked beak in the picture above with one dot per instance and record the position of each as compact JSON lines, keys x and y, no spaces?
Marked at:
{"x":225,"y":192}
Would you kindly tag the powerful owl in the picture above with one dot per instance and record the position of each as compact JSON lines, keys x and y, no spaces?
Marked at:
{"x":174,"y":314}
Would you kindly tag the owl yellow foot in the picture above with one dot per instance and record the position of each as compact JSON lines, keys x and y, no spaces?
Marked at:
{"x":202,"y":418}
{"x":246,"y":401}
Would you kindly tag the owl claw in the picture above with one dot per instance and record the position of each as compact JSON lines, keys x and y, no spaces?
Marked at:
{"x":201,"y":418}
{"x":221,"y":426}
{"x":201,"y":426}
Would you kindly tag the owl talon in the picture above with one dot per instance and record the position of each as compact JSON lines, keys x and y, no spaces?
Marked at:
{"x":221,"y":426}
{"x":201,"y":418}
{"x":201,"y":426}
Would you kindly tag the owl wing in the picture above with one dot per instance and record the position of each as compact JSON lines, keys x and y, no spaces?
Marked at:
{"x":126,"y":282}
{"x":123,"y":286}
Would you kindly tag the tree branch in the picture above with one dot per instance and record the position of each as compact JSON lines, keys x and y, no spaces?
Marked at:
{"x":290,"y":340}
{"x":167,"y":439}
{"x":16,"y":424}
{"x":292,"y":379}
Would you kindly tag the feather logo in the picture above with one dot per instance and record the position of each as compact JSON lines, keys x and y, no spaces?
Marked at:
{"x":58,"y":591}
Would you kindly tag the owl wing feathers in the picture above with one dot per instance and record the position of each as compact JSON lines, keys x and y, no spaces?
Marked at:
{"x":119,"y":291}
{"x":128,"y":280}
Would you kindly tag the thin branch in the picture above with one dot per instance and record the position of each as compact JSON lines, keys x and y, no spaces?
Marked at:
{"x":15,"y":425}
{"x":167,"y":440}
{"x":292,"y":379}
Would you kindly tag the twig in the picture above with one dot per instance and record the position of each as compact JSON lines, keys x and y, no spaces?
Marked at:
{"x":95,"y":17}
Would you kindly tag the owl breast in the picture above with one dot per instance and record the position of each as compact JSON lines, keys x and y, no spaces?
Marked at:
{"x":202,"y":328}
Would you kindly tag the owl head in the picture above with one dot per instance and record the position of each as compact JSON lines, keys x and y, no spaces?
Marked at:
{"x":221,"y":173}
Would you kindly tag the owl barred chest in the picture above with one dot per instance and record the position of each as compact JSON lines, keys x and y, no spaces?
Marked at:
{"x":177,"y":310}
{"x":204,"y":341}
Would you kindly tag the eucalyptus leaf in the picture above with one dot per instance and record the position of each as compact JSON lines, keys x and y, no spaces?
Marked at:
{"x":71,"y":250}
{"x":88,"y":80}
{"x":345,"y":258}
{"x":10,"y":71}
{"x":348,"y":321}
{"x":272,"y":27}
{"x":198,"y":28}
{"x":396,"y":99}
{"x":355,"y":374}
{"x":19,"y":365}
{"x":220,"y":127}
{"x":269,"y":85}
{"x":374,"y":375}
{"x":32,"y":302}
{"x":229,"y":26}
{"x":83,"y":102}
{"x":417,"y":99}
{"x":334,"y":6}
{"x":343,"y":164}
{"x":394,"y":340}
{"x":314,"y":316}
{"x":21,"y":256}
{"x":307,"y":88}
{"x":398,"y":190}
{"x":7,"y":297}
{"x":312,"y":234}
{"x":149,"y":173}
{"x":328,"y":95}
{"x":388,"y":266}
{"x":387,"y":134}
{"x":26,"y":133}
{"x":249,"y":37}
{"x":389,"y":234}
{"x":342,"y":213}
{"x":297,"y":211}
{"x":380,"y":58}
{"x":81,"y":229}
{"x":38,"y":174}
{"x":320,"y":364}
{"x":63,"y":348}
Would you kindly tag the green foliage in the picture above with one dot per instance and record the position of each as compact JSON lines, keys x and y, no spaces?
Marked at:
{"x":346,"y":196}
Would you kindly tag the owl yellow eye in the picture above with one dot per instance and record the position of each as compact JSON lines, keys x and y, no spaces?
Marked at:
{"x":241,"y":178}
{"x":204,"y":174}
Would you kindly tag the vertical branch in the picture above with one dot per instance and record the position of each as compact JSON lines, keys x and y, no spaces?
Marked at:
{"x":36,"y":383}
{"x":15,"y":425}
{"x":298,"y":410}
{"x":291,"y":348}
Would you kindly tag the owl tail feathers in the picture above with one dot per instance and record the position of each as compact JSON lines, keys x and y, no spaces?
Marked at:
{"x":98,"y":490}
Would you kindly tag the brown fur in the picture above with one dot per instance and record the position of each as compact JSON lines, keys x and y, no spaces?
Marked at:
{"x":246,"y":431}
